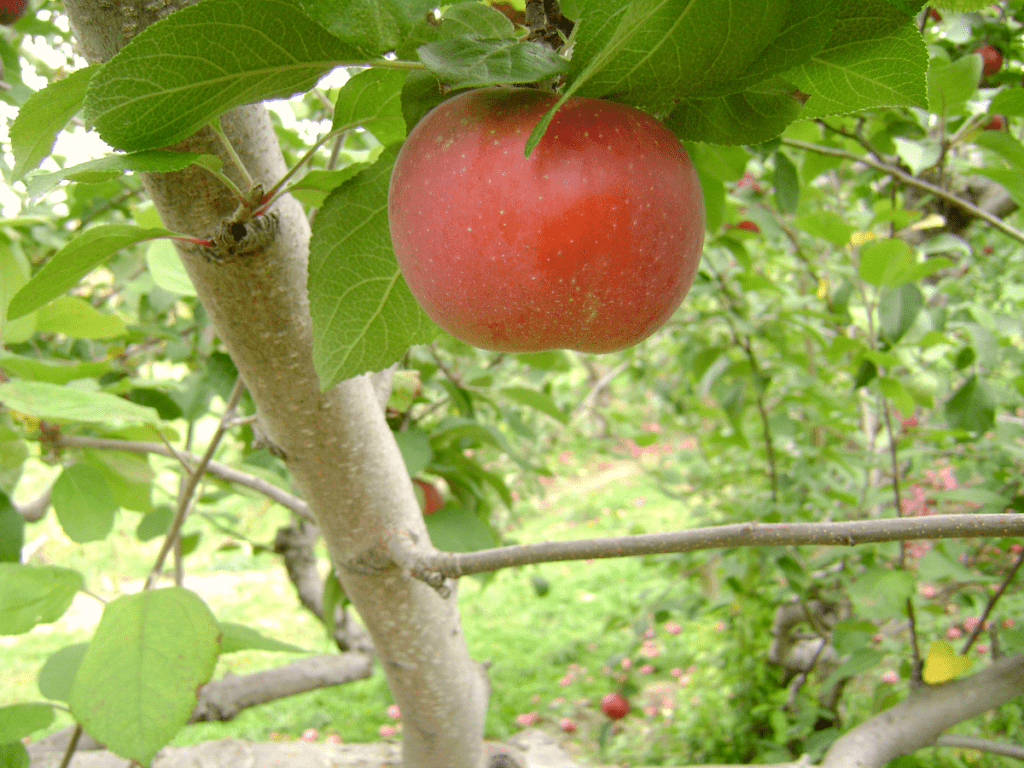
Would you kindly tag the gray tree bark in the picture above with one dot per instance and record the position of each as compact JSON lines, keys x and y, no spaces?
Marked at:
{"x":337,"y":445}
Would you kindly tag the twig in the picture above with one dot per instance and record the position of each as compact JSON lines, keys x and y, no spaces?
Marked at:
{"x":912,"y":181}
{"x":993,"y":599}
{"x":187,"y":493}
{"x":72,"y":745}
{"x":982,"y":745}
{"x":843,"y":533}
{"x":214,"y":468}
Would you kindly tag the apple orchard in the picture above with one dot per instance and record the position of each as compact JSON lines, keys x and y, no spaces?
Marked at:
{"x":512,"y":383}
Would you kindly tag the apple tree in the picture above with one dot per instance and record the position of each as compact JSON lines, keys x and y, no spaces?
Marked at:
{"x":834,"y":143}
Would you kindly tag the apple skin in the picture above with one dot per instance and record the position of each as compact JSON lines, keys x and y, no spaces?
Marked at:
{"x":991,"y":59}
{"x":615,"y":705}
{"x":12,"y":10}
{"x":591,"y":243}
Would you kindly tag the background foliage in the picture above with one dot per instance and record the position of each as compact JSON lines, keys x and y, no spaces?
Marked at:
{"x":852,"y":349}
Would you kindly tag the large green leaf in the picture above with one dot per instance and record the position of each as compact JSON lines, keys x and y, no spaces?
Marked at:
{"x":34,"y":594}
{"x":364,"y":317}
{"x":12,"y":531}
{"x":74,"y":261}
{"x":76,"y":318}
{"x":652,"y":52}
{"x":971,"y":407}
{"x":112,"y":166}
{"x":898,"y":310}
{"x":83,"y":502}
{"x":137,"y":682}
{"x":372,"y":99}
{"x":951,"y":84}
{"x":182,"y":72}
{"x":43,"y":116}
{"x":373,"y":26}
{"x":752,"y":116}
{"x":875,"y":58}
{"x":64,"y":404}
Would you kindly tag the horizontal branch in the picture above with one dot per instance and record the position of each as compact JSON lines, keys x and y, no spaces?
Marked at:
{"x":982,"y":745}
{"x":843,"y":533}
{"x":913,"y":181}
{"x":214,"y":468}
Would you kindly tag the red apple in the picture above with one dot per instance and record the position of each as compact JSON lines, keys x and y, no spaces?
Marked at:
{"x":991,"y":59}
{"x":615,"y":705}
{"x":12,"y":10}
{"x":749,"y":226}
{"x":590,"y":243}
{"x":995,"y":123}
{"x":432,"y":500}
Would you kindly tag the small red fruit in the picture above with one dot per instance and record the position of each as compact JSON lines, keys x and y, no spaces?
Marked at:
{"x":432,"y":500}
{"x":12,"y":10}
{"x":590,"y":243}
{"x":996,"y":123}
{"x":568,"y":725}
{"x":615,"y":705}
{"x":749,"y":226}
{"x":934,"y":15}
{"x":991,"y":59}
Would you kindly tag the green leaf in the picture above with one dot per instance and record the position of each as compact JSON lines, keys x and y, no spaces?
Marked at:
{"x":753,"y":116}
{"x":1004,"y":145}
{"x":57,"y":675}
{"x":43,"y":116}
{"x":454,"y":528}
{"x":936,"y":566}
{"x":373,"y":26}
{"x":1009,"y":101}
{"x":651,"y":53}
{"x":12,"y":531}
{"x":112,"y":166}
{"x":364,"y":317}
{"x":83,"y":502}
{"x":971,"y":407}
{"x":76,"y":318}
{"x":156,"y":523}
{"x":786,"y":183}
{"x":1010,"y":180}
{"x":885,"y":262}
{"x":875,"y":58}
{"x":14,"y":272}
{"x":372,"y":99}
{"x":64,"y":404}
{"x":165,"y":267}
{"x":34,"y":594}
{"x":827,"y":225}
{"x":20,"y":720}
{"x":898,"y":310}
{"x":537,"y":400}
{"x":185,"y":70}
{"x":52,"y":371}
{"x":74,"y":261}
{"x":14,"y":755}
{"x":416,"y":451}
{"x":478,"y":47}
{"x":137,"y":683}
{"x":952,"y":84}
{"x":898,"y":394}
{"x":128,"y":475}
{"x":238,"y":637}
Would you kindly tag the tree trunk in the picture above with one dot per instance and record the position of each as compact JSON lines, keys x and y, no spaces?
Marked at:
{"x":337,"y":445}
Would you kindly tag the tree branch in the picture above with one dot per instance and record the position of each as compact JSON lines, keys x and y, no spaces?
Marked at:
{"x":846,"y":533}
{"x":215,"y":468}
{"x":912,"y":181}
{"x":928,"y":711}
{"x":982,"y":745}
